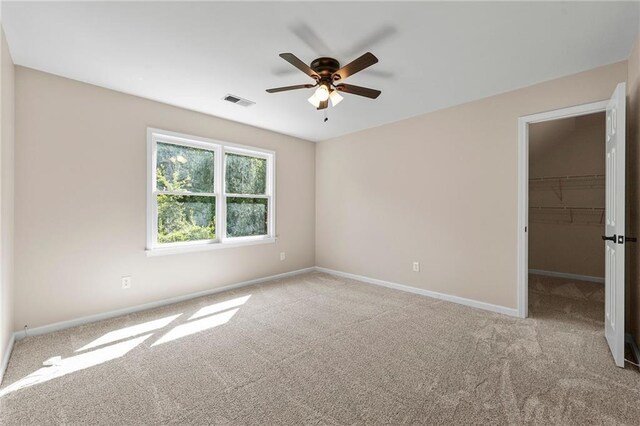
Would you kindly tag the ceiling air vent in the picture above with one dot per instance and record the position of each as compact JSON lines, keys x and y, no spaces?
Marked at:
{"x":238,"y":100}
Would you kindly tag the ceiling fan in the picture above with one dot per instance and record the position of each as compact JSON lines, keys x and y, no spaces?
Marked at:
{"x":327,"y":72}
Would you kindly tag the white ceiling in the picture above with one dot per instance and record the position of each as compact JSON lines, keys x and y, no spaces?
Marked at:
{"x":432,"y":55}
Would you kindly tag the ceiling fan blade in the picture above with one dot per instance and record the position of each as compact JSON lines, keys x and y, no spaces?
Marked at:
{"x":312,"y":39}
{"x":371,"y":40}
{"x":359,"y":64}
{"x":284,"y":89}
{"x":323,"y":104}
{"x":293,"y":60}
{"x":357,"y":90}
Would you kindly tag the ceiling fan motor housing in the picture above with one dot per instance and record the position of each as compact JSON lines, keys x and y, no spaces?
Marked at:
{"x":325,"y":67}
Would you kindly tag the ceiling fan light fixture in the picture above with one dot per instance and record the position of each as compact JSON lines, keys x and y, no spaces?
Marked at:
{"x":335,"y":97}
{"x":322,"y":93}
{"x":313,"y":100}
{"x":325,"y":72}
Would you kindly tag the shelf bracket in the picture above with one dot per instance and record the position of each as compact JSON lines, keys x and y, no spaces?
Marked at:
{"x":558,"y":191}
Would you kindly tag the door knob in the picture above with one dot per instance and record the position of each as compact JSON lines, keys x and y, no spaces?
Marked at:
{"x":613,"y":238}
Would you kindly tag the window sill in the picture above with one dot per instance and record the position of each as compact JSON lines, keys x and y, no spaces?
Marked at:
{"x":163,"y":251}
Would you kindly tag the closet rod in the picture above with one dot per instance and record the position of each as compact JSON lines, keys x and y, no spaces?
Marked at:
{"x":566,"y":208}
{"x":544,"y":178}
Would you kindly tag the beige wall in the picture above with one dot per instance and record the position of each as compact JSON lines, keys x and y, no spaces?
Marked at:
{"x":7,"y":98}
{"x":633,"y":199}
{"x":81,"y":209}
{"x":439,"y":188}
{"x":558,"y":241}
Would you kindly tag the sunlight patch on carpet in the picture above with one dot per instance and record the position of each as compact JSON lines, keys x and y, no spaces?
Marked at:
{"x":125,"y":333}
{"x":64,"y":366}
{"x":219,"y":307}
{"x":197,"y":326}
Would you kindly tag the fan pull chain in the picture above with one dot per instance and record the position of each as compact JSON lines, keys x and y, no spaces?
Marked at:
{"x":325,"y":115}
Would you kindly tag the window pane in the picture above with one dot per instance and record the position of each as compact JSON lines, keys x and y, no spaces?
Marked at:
{"x":246,"y":216}
{"x":182,"y":168}
{"x":245,"y":175}
{"x":186,"y":218}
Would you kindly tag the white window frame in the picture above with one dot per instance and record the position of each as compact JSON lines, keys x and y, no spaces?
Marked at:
{"x":219,"y":148}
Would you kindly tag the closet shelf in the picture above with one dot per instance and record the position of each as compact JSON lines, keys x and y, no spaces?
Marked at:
{"x":566,"y":222}
{"x":595,"y":209}
{"x":558,"y":184}
{"x":579,"y":210}
{"x":568,"y":177}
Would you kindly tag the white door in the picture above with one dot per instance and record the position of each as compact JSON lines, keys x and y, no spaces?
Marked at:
{"x":614,"y":238}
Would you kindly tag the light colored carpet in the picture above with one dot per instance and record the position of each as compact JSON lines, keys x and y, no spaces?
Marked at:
{"x":316,"y":349}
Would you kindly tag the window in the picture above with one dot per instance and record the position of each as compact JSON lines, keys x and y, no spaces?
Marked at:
{"x":207,"y":194}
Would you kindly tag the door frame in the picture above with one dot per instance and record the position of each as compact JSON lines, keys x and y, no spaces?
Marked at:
{"x":523,"y":188}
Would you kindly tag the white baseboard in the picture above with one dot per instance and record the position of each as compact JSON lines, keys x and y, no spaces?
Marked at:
{"x":124,"y":311}
{"x":567,"y":275}
{"x":449,"y":298}
{"x":6,"y":355}
{"x":62,"y":325}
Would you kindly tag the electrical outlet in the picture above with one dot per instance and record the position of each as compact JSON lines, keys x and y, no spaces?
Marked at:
{"x":283,"y":255}
{"x":416,"y":266}
{"x":126,"y":282}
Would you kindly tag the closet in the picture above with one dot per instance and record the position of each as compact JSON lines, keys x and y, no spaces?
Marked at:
{"x":567,"y":197}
